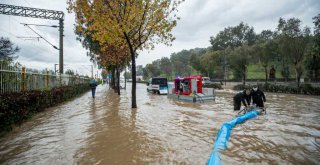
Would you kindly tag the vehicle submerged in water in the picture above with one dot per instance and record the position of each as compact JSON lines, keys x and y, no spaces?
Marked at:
{"x":158,"y":85}
{"x":190,"y":89}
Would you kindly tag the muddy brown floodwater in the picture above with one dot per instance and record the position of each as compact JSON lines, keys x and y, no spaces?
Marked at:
{"x":161,"y":131}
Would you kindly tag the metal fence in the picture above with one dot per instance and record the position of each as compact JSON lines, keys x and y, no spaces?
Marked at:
{"x":15,"y":78}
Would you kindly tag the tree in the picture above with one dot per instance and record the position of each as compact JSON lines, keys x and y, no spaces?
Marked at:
{"x":229,"y":39}
{"x":195,"y":60}
{"x":316,"y":21}
{"x":139,"y":70}
{"x":69,"y":72}
{"x":239,"y":62}
{"x":116,"y":57}
{"x":181,"y":62}
{"x":209,"y":61}
{"x":138,"y":24}
{"x":166,"y":66}
{"x":7,"y":50}
{"x":313,"y":55}
{"x":266,"y":50}
{"x":293,"y":43}
{"x":127,"y":75}
{"x":233,"y":37}
{"x":196,"y":63}
{"x":145,"y":73}
{"x":153,"y":70}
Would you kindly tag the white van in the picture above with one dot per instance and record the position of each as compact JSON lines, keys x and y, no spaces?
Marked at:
{"x":206,"y":80}
{"x":158,"y":85}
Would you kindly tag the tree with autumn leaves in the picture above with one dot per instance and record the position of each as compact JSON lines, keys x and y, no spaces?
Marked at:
{"x":126,"y":25}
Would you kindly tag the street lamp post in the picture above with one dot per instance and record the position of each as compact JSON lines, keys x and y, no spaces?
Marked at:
{"x":55,"y":68}
{"x":61,"y":45}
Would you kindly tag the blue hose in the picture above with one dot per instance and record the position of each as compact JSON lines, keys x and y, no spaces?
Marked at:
{"x":224,"y":134}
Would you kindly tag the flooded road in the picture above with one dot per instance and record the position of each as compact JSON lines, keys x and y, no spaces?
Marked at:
{"x":161,"y":131}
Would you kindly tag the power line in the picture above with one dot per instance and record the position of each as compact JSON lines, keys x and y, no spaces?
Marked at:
{"x":40,"y":36}
{"x":54,"y":26}
{"x":33,"y":46}
{"x":29,"y":38}
{"x":68,"y":38}
{"x":37,"y":13}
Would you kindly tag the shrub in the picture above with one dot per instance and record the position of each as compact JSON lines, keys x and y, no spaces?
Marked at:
{"x":213,"y":85}
{"x":306,"y":89}
{"x":16,"y":107}
{"x":241,"y":87}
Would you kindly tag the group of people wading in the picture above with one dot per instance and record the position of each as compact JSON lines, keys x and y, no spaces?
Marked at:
{"x":255,"y":94}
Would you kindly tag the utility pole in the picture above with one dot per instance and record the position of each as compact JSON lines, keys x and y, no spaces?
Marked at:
{"x":61,"y":45}
{"x":38,"y":13}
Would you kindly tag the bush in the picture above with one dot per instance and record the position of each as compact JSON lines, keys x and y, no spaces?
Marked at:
{"x":17,"y":107}
{"x":214,"y":85}
{"x":306,"y":89}
{"x":241,"y":87}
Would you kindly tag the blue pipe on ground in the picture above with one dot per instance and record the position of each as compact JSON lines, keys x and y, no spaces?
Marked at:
{"x":224,"y":134}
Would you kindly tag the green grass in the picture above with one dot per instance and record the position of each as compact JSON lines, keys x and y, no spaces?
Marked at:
{"x":256,"y":71}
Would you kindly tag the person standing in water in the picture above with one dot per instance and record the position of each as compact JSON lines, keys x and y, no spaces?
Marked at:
{"x":93,"y":86}
{"x":244,"y":97}
{"x":258,"y":97}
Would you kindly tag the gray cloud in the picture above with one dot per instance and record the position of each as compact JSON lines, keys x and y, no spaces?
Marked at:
{"x":205,"y":18}
{"x":40,"y":54}
{"x":200,"y":19}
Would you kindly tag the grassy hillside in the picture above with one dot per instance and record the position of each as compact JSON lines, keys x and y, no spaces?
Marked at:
{"x":256,"y":71}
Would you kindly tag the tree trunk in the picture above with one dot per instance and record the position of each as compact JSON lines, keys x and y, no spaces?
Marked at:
{"x":133,"y":90}
{"x":298,"y":77}
{"x":316,"y":74}
{"x":315,"y":70}
{"x":244,"y":79}
{"x":125,"y":78}
{"x":133,"y":68}
{"x":113,"y":83}
{"x":118,"y":82}
{"x":298,"y":74}
{"x":266,"y":72}
{"x":244,"y":75}
{"x":115,"y":89}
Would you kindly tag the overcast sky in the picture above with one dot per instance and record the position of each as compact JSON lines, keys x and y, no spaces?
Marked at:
{"x":200,"y":19}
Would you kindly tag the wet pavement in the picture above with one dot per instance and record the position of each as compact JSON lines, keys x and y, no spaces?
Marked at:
{"x":105,"y":130}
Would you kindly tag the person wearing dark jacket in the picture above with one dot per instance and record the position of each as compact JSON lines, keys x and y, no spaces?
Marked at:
{"x":258,"y":97}
{"x":244,"y":97}
{"x":93,"y":85}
